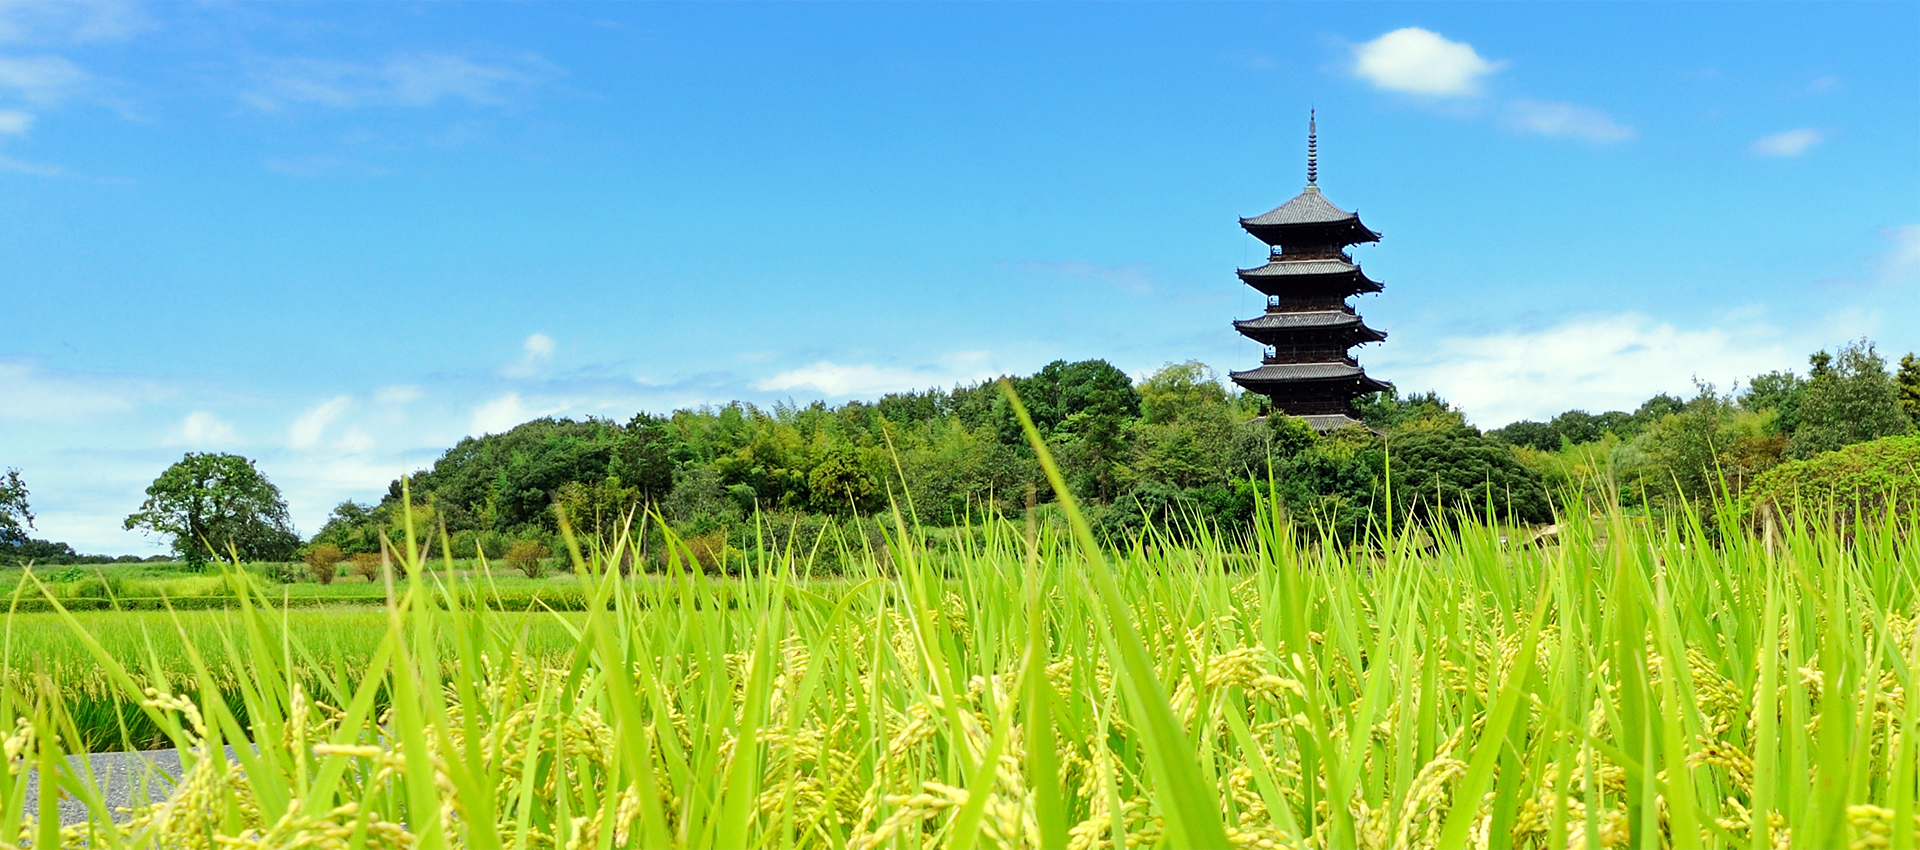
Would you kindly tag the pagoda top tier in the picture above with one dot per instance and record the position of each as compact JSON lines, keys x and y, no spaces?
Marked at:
{"x":1309,"y":223}
{"x":1309,"y":220}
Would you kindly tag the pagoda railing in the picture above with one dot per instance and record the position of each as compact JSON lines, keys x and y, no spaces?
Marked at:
{"x":1277,"y":255}
{"x":1271,"y":354}
{"x":1273,"y":303}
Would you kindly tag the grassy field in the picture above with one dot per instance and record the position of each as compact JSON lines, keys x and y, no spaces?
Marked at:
{"x":156,"y":587}
{"x":1631,"y":684}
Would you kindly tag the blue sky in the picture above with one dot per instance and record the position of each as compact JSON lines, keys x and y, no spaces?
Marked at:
{"x":337,"y":238}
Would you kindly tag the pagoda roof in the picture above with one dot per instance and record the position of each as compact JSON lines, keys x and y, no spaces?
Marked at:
{"x":1288,"y":268}
{"x":1308,"y":211}
{"x":1299,"y":271}
{"x":1307,"y":320}
{"x":1308,"y":207}
{"x":1308,"y":373}
{"x":1273,"y":372}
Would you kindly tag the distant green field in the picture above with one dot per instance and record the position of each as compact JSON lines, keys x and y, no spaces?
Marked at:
{"x":157,"y":586}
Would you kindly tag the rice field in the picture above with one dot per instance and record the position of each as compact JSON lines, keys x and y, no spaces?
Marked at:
{"x":1626,"y":684}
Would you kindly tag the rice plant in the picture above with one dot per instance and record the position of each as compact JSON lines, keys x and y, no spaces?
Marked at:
{"x":1628,"y":684}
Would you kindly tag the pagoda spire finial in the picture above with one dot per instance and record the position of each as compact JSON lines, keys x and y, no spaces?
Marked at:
{"x":1313,"y":150}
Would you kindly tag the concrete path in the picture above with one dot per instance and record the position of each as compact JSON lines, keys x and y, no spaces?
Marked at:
{"x":125,"y":779}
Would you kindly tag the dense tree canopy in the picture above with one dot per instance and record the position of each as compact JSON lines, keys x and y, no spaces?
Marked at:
{"x":1175,"y":447}
{"x":217,"y":503}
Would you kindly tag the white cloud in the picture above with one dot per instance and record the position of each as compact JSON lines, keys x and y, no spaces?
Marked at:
{"x":19,"y":166}
{"x":24,"y":167}
{"x":1571,"y":120}
{"x":396,"y":395}
{"x":32,"y":393}
{"x":1901,"y":263}
{"x":539,"y":345}
{"x":201,"y":428}
{"x":502,"y":413}
{"x":537,"y":352}
{"x":1599,"y":363}
{"x":415,"y":79}
{"x":1418,"y":61}
{"x":14,"y":122}
{"x":310,"y":425}
{"x":422,"y":79}
{"x":356,"y":440}
{"x":69,"y":22}
{"x":1132,"y":277}
{"x":1787,"y":143}
{"x":41,"y":79}
{"x":834,"y":379}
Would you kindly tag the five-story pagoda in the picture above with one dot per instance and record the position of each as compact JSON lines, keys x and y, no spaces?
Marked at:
{"x":1308,"y":326}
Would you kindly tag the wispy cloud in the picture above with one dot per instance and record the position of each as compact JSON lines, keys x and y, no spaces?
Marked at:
{"x":1787,"y":143}
{"x":308,"y":428}
{"x":69,"y":23}
{"x":1567,"y":120}
{"x":846,"y":379}
{"x":1412,"y":60}
{"x":1132,"y":277}
{"x":202,"y":429}
{"x":410,"y":80}
{"x":14,"y":122}
{"x":39,"y":169}
{"x":40,"y":79}
{"x":35,"y":393}
{"x":396,"y":396}
{"x":1257,"y":61}
{"x":504,"y":412}
{"x":1901,"y":262}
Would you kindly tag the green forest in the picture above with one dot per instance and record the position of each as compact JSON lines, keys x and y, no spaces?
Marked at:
{"x":1175,"y":451}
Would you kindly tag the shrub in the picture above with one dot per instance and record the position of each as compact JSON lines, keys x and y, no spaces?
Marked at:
{"x":709,"y":549}
{"x":1859,"y":481}
{"x":529,"y":557}
{"x":367,"y":565}
{"x":97,"y":585}
{"x":492,"y":544}
{"x":322,"y":560}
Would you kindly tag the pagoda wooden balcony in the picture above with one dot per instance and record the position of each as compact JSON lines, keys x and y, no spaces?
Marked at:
{"x":1278,"y":255}
{"x":1282,"y":304}
{"x":1272,"y":355}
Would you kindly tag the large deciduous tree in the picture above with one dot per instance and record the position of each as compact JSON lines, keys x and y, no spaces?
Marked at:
{"x":15,"y":516}
{"x":1849,"y":399}
{"x":217,"y":503}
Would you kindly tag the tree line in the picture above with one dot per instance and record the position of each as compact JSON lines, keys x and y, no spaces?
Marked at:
{"x":1175,"y":448}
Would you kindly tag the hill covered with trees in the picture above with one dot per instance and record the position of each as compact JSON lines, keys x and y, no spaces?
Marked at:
{"x":1174,"y":447}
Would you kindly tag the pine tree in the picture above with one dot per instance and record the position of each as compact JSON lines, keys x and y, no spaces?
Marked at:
{"x":1908,"y":380}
